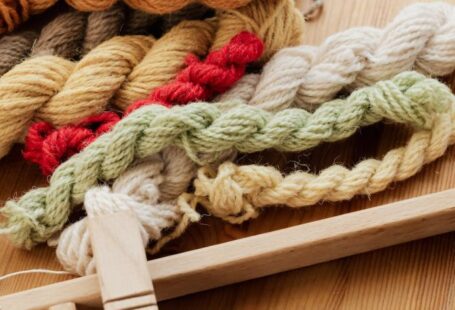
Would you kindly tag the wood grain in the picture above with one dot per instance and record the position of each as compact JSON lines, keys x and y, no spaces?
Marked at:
{"x":417,"y":275}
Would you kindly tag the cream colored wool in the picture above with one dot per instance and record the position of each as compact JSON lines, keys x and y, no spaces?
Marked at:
{"x":148,"y":189}
{"x":422,"y":37}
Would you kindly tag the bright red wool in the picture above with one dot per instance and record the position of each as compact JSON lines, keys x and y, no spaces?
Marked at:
{"x":199,"y":81}
{"x":49,"y":147}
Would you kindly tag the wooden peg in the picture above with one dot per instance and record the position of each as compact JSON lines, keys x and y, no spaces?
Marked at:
{"x":65,"y":306}
{"x":121,"y":262}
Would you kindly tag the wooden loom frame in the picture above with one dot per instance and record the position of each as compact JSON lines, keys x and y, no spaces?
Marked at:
{"x":255,"y":256}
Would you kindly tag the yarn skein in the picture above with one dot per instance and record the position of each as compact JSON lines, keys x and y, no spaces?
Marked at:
{"x":277,"y":22}
{"x":422,"y":36}
{"x":13,"y":13}
{"x":74,"y":247}
{"x":68,"y":35}
{"x":237,"y":193}
{"x":154,"y":6}
{"x":200,"y":80}
{"x":63,"y":97}
{"x":203,"y":128}
{"x":14,"y":48}
{"x":148,"y":189}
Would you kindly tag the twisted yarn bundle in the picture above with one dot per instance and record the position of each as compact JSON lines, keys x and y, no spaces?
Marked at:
{"x":69,"y":35}
{"x":154,"y":6}
{"x":237,"y":193}
{"x":13,"y":13}
{"x":200,"y":80}
{"x":59,"y":93}
{"x":277,"y":22}
{"x":422,"y":36}
{"x":14,"y":48}
{"x":148,"y":189}
{"x":203,"y":128}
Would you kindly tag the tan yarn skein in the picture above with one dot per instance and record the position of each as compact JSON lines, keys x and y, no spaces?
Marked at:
{"x":277,"y":22}
{"x":93,"y":81}
{"x":154,"y":6}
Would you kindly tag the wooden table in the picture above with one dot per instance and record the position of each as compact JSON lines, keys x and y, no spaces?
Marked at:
{"x":417,"y":275}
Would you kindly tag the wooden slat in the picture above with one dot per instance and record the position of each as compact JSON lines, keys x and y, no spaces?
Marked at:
{"x":270,"y":253}
{"x":121,"y":262}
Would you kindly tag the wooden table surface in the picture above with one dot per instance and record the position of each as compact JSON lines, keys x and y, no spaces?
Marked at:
{"x":417,"y":275}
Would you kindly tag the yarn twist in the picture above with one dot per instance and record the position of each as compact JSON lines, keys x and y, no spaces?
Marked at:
{"x":15,"y":12}
{"x":422,"y":36}
{"x":148,"y":189}
{"x":61,"y":92}
{"x":199,"y":127}
{"x":237,"y":193}
{"x":14,"y":48}
{"x":154,"y":6}
{"x":48,"y":147}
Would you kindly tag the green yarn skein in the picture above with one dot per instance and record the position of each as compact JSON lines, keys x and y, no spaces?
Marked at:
{"x":202,"y":128}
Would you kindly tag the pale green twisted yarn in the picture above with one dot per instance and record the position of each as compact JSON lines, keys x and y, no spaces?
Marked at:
{"x":205,"y":128}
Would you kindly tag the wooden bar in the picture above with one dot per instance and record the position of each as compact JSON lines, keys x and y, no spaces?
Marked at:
{"x":269,"y":253}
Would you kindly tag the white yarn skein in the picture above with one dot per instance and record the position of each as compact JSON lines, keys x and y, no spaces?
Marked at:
{"x":142,"y":189}
{"x":421,"y":37}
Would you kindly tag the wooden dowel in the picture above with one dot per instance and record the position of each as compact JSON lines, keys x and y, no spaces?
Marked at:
{"x":269,"y":253}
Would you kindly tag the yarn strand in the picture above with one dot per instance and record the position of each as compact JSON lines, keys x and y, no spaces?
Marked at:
{"x":421,"y":37}
{"x":237,"y":193}
{"x":409,"y":98}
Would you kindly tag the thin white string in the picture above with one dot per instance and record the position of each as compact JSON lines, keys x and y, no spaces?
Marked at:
{"x":32,"y":271}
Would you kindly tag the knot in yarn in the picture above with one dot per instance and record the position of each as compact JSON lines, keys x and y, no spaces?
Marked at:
{"x":201,"y":80}
{"x":48,"y":146}
{"x":225,"y":194}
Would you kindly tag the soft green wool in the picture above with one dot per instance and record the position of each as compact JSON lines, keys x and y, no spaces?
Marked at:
{"x":199,"y":128}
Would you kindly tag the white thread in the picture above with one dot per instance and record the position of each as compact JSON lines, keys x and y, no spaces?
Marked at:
{"x":32,"y":271}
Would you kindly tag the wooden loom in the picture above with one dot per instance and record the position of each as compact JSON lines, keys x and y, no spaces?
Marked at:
{"x":124,"y":279}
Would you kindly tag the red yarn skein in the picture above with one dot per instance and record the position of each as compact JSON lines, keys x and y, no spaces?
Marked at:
{"x":200,"y":80}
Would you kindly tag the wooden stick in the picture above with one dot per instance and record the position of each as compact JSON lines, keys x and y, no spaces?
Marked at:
{"x":121,"y":263}
{"x":269,"y":253}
